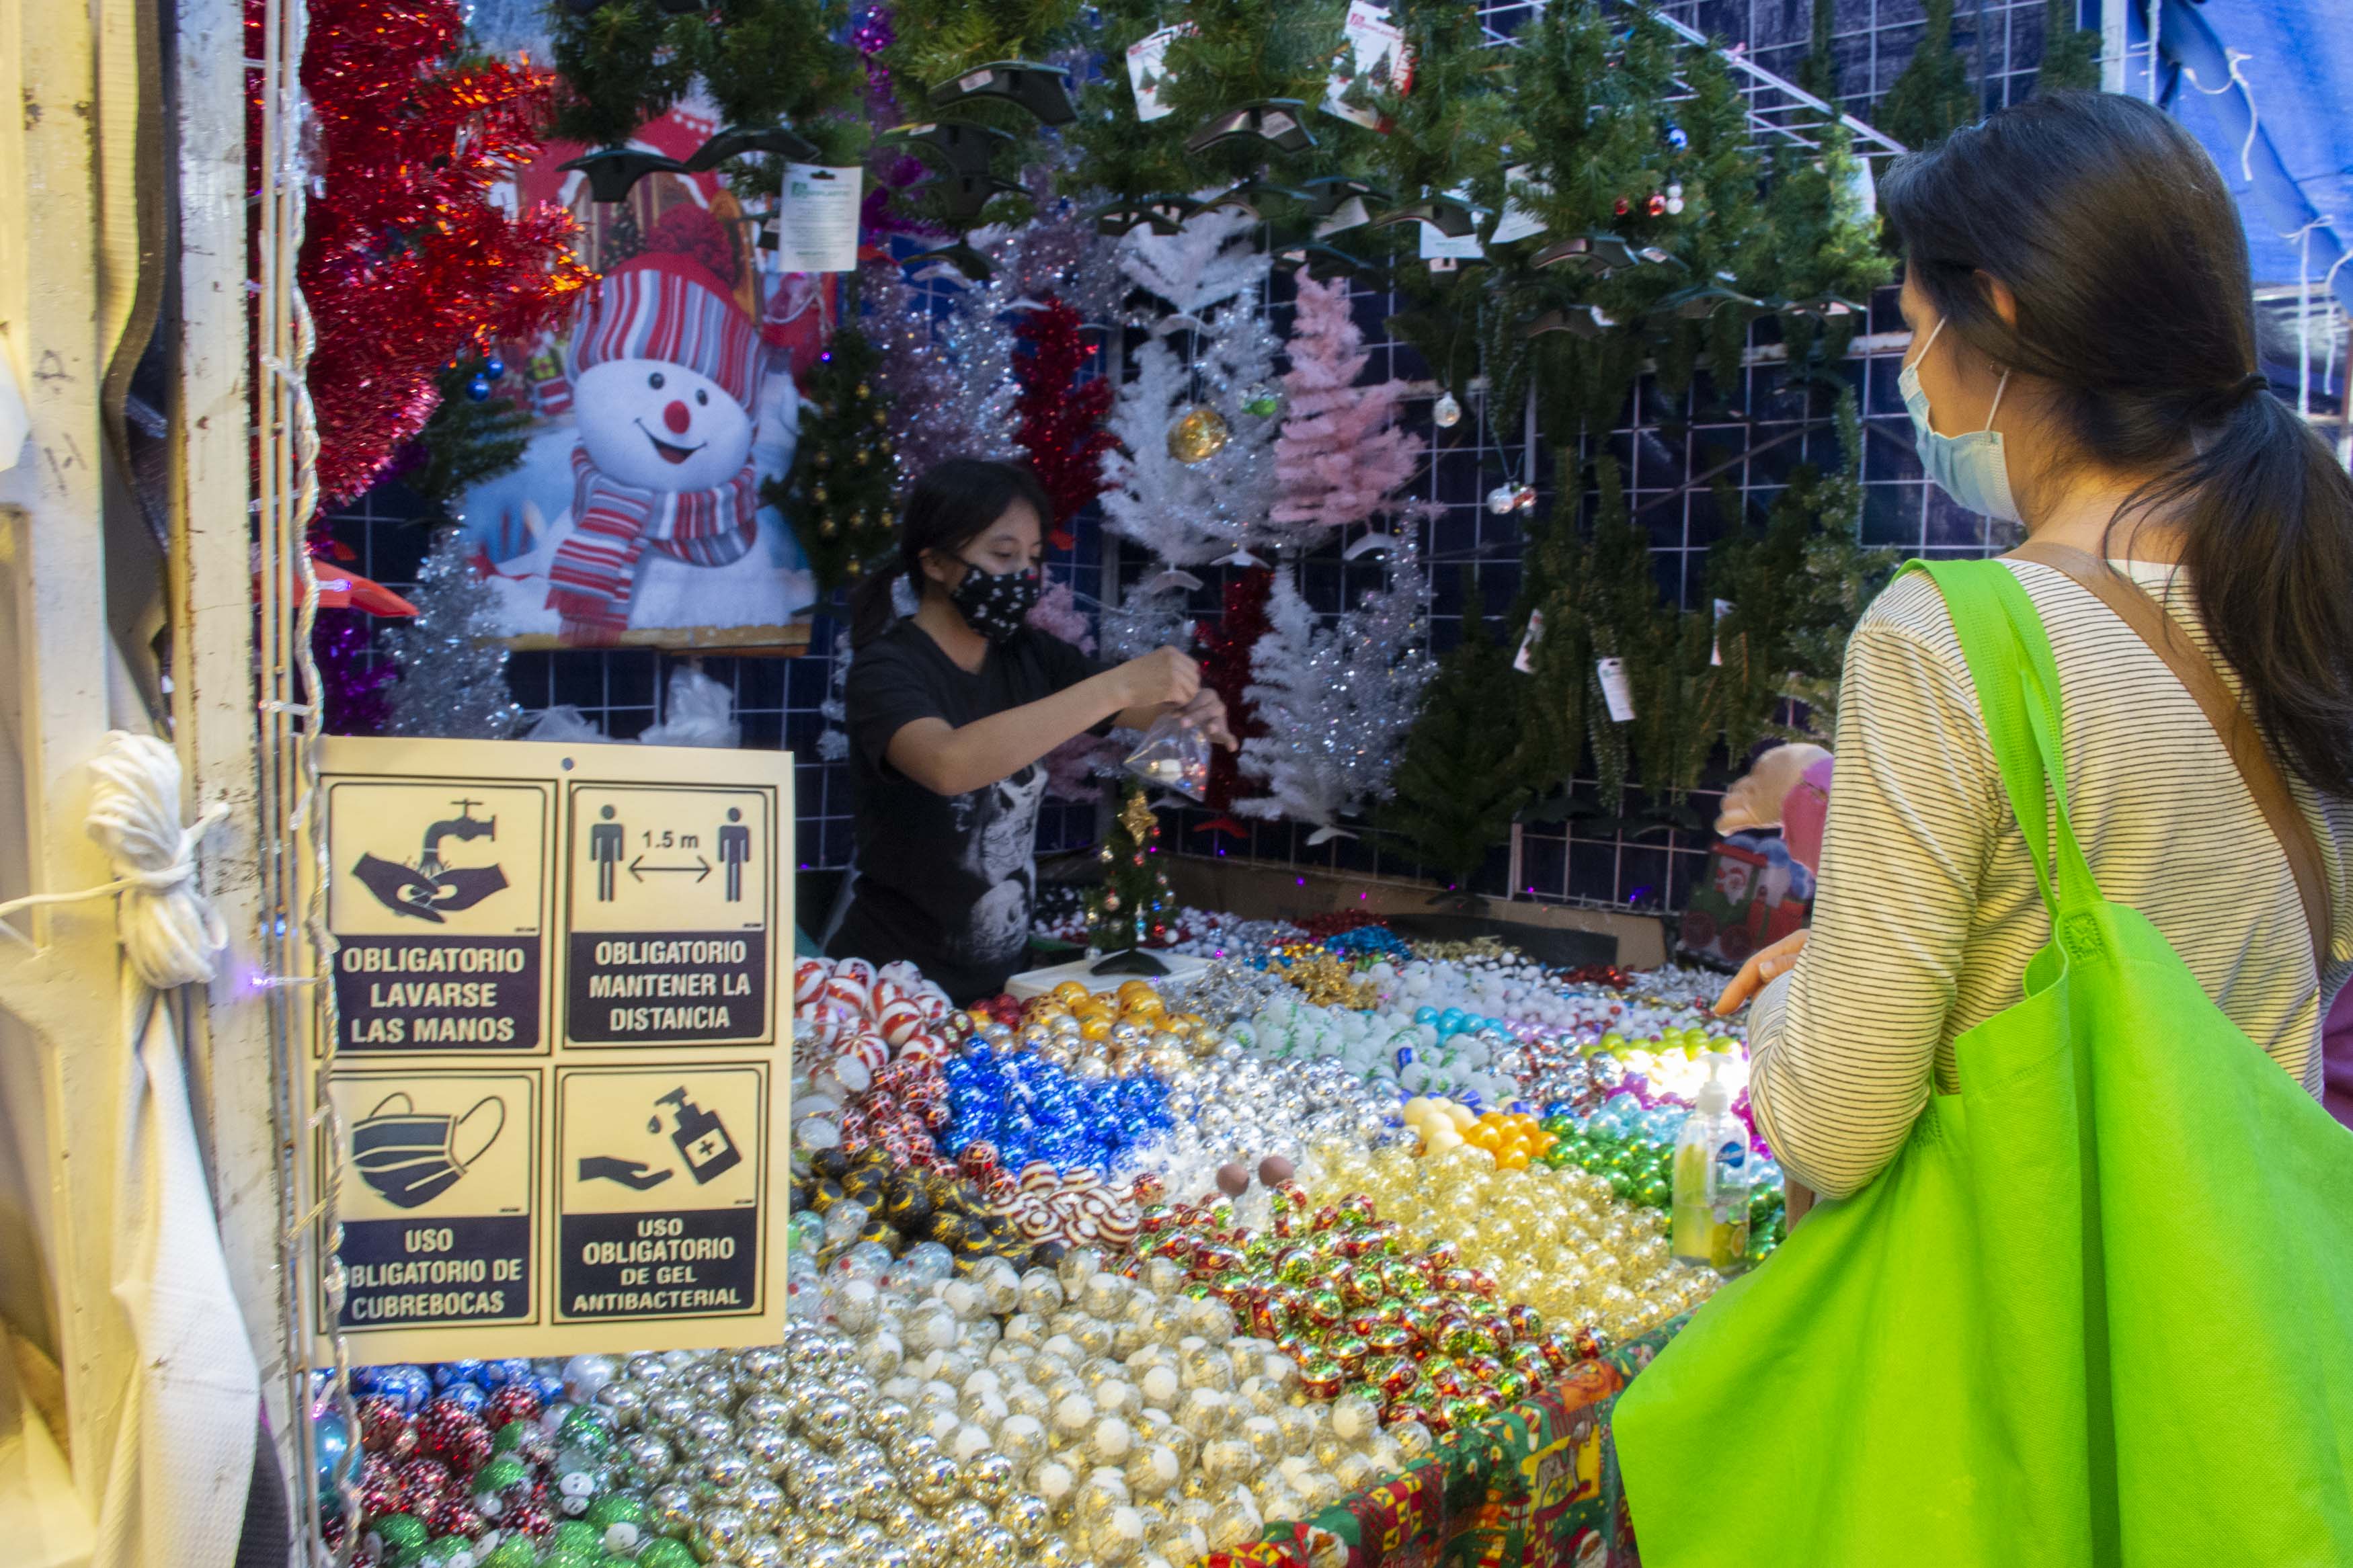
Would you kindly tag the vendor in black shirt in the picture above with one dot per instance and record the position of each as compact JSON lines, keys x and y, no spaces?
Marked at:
{"x":949,"y":710}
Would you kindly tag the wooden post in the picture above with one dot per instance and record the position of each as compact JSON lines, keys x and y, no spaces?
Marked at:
{"x":63,"y":300}
{"x":239,"y":1087}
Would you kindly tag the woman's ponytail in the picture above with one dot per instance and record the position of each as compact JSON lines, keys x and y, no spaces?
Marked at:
{"x":2265,"y":513}
{"x":871,"y":604}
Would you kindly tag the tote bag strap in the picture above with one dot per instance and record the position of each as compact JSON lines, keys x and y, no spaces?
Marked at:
{"x":2234,"y":725}
{"x":2017,"y":681}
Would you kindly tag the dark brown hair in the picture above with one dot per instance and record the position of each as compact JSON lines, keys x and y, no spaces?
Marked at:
{"x":2116,"y":233}
{"x":951,"y":503}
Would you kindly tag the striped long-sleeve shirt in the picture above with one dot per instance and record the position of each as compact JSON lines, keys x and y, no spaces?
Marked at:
{"x":1927,"y":911}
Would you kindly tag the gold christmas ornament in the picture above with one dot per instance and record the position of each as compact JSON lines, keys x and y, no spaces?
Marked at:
{"x":1199,"y":434}
{"x":1136,"y":818}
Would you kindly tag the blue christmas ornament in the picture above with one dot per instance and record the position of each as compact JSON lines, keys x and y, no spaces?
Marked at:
{"x":494,"y":367}
{"x":448,"y":1371}
{"x":1426,"y":1015}
{"x":407,"y":1387}
{"x":470,"y":1397}
{"x":338,"y":1456}
{"x":499,"y":1373}
{"x":477,"y":390}
{"x":1677,"y":138}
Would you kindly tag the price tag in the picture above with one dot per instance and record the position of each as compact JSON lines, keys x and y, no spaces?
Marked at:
{"x":1615,"y":690}
{"x":1715,"y":650}
{"x":1350,"y":214}
{"x":1525,"y":660}
{"x":816,"y":223}
{"x":1146,"y":72}
{"x":1369,"y":43}
{"x":1517,"y":222}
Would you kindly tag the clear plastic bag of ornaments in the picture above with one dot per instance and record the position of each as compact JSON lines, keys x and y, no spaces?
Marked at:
{"x":1175,"y":755}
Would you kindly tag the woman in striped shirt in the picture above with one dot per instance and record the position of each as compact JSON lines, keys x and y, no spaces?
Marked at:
{"x":2085,"y":357}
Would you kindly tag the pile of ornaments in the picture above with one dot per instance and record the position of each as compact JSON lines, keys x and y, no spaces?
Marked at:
{"x":1566,"y":1244}
{"x":1447,"y":1053}
{"x":1347,"y":1296}
{"x":867,"y":1046}
{"x":866,"y":1197}
{"x":1044,"y":1418}
{"x":493,"y":1469}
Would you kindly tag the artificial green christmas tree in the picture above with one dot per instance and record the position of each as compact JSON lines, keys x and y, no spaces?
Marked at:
{"x":837,"y":496}
{"x":2071,"y":53}
{"x":1818,"y":73}
{"x":624,"y":62}
{"x":1236,"y":54}
{"x":1130,"y":909}
{"x":469,"y":440}
{"x":1456,"y":794}
{"x":1827,"y":255}
{"x":1932,"y":97}
{"x":1794,"y":591}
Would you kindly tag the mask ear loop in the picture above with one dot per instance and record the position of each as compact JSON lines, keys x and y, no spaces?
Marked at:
{"x":1997,"y":389}
{"x":1934,"y":333}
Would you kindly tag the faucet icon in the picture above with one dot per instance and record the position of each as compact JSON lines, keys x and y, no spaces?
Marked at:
{"x":464,"y":827}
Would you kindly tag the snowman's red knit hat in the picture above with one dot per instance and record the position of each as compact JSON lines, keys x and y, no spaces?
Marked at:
{"x":663,"y":306}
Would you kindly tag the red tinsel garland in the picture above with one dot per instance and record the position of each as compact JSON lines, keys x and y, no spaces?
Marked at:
{"x":1062,"y":416}
{"x":1225,"y":643}
{"x":405,"y":262}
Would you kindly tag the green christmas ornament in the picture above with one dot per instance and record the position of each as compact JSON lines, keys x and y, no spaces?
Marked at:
{"x":663,"y":1553}
{"x":584,"y":1428}
{"x":622,"y":1521}
{"x":574,"y":1534}
{"x":400,"y":1539}
{"x":517,"y":1551}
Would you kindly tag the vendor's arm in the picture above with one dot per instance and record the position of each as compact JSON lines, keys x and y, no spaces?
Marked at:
{"x":1843,"y":1046}
{"x":952,"y":759}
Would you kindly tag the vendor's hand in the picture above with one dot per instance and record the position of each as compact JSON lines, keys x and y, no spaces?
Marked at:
{"x":1766,"y":964}
{"x":1206,"y":711}
{"x":1166,"y":676}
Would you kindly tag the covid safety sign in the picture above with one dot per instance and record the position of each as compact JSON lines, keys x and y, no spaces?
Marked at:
{"x":560,"y":1077}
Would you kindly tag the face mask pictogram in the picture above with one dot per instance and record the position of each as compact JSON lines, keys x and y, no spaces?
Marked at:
{"x":411,"y":1157}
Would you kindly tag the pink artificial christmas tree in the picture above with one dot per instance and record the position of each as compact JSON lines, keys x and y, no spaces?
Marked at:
{"x":1341,"y":456}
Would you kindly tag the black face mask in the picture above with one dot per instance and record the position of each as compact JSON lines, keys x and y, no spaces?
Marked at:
{"x":997,"y":604}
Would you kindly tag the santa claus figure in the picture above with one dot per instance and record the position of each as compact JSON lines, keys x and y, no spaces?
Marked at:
{"x":676,"y":419}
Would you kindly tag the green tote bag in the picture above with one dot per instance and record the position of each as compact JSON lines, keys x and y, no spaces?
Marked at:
{"x":2099,"y":1310}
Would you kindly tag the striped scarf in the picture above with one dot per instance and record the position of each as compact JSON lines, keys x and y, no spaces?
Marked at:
{"x":590,"y":578}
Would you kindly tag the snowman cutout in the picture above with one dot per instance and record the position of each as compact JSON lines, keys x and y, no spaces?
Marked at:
{"x":677,"y":418}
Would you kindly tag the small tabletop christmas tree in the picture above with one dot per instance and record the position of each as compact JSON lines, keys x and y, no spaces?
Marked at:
{"x":1130,"y":910}
{"x":839,"y":496}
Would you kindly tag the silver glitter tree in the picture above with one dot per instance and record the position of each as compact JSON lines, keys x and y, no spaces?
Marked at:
{"x":1336,"y":699}
{"x":453,"y":656}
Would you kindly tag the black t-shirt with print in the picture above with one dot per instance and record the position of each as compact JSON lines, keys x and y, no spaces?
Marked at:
{"x":945,"y":881}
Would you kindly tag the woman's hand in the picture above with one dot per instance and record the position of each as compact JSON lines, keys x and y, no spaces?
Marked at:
{"x":1766,"y":964}
{"x":1206,"y":711}
{"x":1166,"y":676}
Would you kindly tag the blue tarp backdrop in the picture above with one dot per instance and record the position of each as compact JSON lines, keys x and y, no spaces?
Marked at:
{"x":2262,"y":84}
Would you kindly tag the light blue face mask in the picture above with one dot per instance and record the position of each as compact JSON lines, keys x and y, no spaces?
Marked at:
{"x":1970,"y":469}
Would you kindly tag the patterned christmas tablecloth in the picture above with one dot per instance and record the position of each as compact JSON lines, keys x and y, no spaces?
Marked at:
{"x":1537,"y":1484}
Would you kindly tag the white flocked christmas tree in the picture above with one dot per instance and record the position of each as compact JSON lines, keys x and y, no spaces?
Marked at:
{"x":1209,"y":347}
{"x":1336,"y":699}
